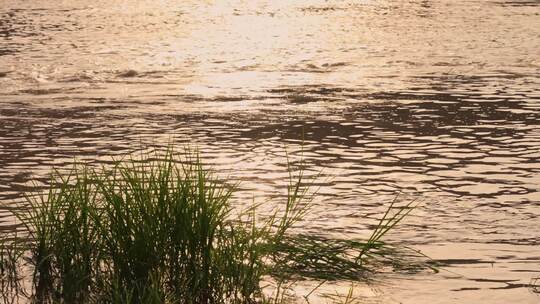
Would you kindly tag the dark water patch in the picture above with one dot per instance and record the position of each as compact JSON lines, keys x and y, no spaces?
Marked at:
{"x":534,"y":241}
{"x":46,"y":91}
{"x":5,"y":51}
{"x":128,"y":73}
{"x":523,"y":3}
{"x":449,"y":262}
{"x":223,"y":98}
{"x":302,"y":99}
{"x":466,"y":289}
{"x":33,"y":23}
{"x":483,"y":280}
{"x":314,"y":89}
{"x":512,"y":286}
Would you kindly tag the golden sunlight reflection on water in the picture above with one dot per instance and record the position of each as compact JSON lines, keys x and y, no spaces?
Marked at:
{"x":430,"y":98}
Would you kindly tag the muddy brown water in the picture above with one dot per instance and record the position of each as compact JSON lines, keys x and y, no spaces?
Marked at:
{"x":438,"y":100}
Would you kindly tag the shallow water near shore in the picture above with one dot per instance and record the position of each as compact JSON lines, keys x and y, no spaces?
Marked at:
{"x":436,"y":100}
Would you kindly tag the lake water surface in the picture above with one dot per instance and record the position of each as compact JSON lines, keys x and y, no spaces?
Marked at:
{"x":437,"y":100}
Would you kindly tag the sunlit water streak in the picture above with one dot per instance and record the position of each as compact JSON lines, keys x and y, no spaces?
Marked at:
{"x":434,"y":99}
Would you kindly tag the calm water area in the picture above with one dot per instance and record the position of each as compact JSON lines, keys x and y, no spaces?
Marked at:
{"x":435,"y":100}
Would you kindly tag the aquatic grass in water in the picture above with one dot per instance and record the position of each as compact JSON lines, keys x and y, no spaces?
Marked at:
{"x":160,"y":229}
{"x":534,"y":285}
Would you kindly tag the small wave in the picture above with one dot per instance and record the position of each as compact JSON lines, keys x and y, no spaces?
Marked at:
{"x":128,"y":74}
{"x":44,"y":91}
{"x":80,"y":77}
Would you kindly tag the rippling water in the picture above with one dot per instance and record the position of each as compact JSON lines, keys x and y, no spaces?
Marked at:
{"x":434,"y":99}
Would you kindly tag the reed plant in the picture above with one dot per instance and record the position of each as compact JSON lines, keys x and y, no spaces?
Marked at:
{"x":160,"y":228}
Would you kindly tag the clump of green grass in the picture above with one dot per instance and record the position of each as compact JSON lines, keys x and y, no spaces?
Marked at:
{"x":160,"y":228}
